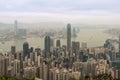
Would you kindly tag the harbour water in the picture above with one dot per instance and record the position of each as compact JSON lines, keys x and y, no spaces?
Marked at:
{"x":93,"y":38}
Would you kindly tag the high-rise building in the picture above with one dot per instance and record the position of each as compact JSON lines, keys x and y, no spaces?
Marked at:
{"x":75,"y":47}
{"x":41,"y":71}
{"x":57,"y":75}
{"x":2,"y":66}
{"x":45,"y":72}
{"x":58,"y":44}
{"x":119,"y":44}
{"x":31,"y":49}
{"x":83,"y":45}
{"x":16,"y":67}
{"x":52,"y":42}
{"x":13,"y":49}
{"x":15,"y":27}
{"x":6,"y":64}
{"x":51,"y":76}
{"x":74,"y":35}
{"x":68,"y":36}
{"x":31,"y":57}
{"x":25,"y":49}
{"x":47,"y":43}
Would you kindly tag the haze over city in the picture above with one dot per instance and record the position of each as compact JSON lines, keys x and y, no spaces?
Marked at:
{"x":78,"y":11}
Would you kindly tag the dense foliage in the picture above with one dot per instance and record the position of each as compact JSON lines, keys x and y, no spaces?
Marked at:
{"x":99,"y":77}
{"x":4,"y":77}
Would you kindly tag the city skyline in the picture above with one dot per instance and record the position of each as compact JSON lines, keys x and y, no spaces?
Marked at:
{"x":71,"y":61}
{"x":59,"y":40}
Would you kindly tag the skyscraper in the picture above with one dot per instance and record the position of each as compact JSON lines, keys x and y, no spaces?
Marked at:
{"x":47,"y":44}
{"x":119,"y":43}
{"x":13,"y":49}
{"x":68,"y":36}
{"x":74,"y":35}
{"x":52,"y":42}
{"x":15,"y":27}
{"x":25,"y":49}
{"x":83,"y":45}
{"x":75,"y":46}
{"x":16,"y":67}
{"x":58,"y":44}
{"x":118,"y":55}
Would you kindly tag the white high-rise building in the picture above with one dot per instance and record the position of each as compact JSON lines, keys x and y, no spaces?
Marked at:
{"x":16,"y":67}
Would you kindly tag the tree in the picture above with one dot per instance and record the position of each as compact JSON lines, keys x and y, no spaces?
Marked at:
{"x":72,"y":78}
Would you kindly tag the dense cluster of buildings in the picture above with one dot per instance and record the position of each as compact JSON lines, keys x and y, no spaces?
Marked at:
{"x":62,"y":62}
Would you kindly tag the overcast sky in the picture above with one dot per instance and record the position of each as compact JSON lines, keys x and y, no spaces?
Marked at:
{"x":82,"y":11}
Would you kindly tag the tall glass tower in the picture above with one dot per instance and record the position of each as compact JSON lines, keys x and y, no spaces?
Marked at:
{"x":25,"y":49}
{"x":68,"y":36}
{"x":119,"y":43}
{"x":47,"y":43}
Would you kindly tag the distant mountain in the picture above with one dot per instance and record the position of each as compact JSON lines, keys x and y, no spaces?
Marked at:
{"x":5,"y":25}
{"x":56,"y":24}
{"x":42,"y":24}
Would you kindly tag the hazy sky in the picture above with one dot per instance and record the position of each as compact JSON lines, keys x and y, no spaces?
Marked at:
{"x":82,"y":11}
